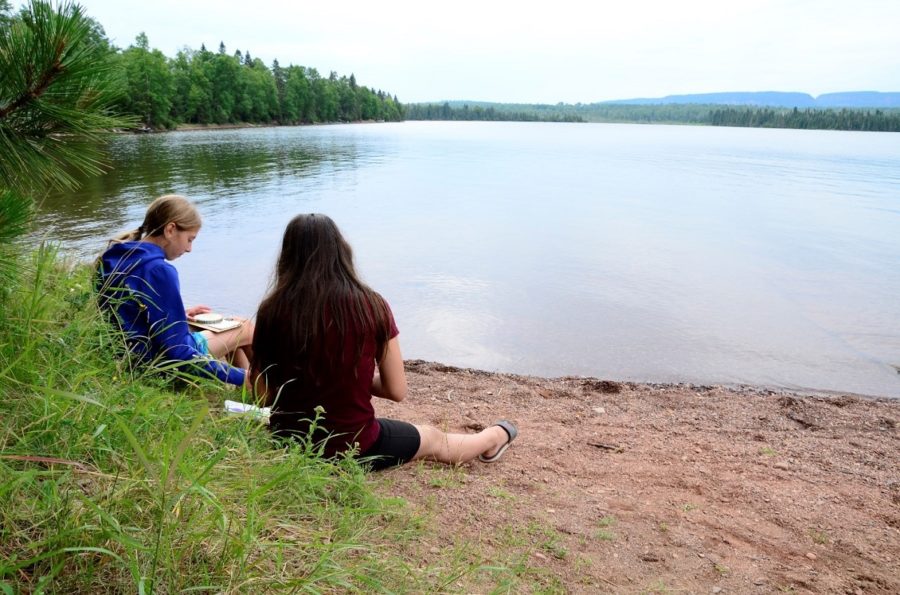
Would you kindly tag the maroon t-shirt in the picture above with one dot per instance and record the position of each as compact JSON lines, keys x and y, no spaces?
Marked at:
{"x":349,"y":417}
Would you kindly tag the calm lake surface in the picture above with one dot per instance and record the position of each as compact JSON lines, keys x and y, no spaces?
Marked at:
{"x":630,"y":252}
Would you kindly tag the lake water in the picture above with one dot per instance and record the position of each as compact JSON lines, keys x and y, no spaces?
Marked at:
{"x":630,"y":252}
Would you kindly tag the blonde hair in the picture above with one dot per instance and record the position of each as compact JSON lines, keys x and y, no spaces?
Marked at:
{"x":171,"y":208}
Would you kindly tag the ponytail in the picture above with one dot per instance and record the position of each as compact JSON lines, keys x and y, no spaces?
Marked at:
{"x":170,"y":208}
{"x":128,"y":236}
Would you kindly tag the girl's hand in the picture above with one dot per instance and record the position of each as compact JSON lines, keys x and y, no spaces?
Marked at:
{"x":199,"y":309}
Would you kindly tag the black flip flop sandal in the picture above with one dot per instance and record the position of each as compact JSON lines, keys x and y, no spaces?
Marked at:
{"x":511,"y":431}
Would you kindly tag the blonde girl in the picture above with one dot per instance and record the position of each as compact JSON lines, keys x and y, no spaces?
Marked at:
{"x":138,"y":284}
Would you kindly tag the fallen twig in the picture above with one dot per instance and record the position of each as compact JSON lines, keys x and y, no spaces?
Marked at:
{"x":610,"y":447}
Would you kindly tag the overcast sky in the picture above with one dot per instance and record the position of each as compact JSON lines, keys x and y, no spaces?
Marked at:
{"x":525,"y":52}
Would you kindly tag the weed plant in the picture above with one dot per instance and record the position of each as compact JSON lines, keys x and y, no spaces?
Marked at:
{"x":116,"y":479}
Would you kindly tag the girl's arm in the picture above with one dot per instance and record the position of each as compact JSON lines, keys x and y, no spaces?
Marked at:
{"x":169,"y":330}
{"x":390,"y":382}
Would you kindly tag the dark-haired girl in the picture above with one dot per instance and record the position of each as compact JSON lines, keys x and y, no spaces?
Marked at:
{"x":326,"y":343}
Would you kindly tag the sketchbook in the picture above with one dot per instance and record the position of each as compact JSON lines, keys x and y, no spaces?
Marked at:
{"x":213,"y":322}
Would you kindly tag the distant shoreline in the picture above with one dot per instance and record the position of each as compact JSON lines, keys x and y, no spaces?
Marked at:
{"x":236,"y":126}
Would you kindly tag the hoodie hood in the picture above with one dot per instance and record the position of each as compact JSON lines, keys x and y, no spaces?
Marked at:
{"x":127,"y":257}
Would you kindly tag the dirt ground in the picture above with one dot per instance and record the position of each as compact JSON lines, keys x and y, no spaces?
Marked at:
{"x":644,"y":488}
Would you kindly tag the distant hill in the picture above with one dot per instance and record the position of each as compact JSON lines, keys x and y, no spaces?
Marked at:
{"x":854,"y":99}
{"x":859,"y":99}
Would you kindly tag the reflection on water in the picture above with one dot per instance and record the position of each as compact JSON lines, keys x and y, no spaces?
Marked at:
{"x":222,"y":168}
{"x":655,"y":253}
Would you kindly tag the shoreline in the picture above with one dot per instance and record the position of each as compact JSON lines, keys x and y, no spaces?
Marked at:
{"x":750,"y":389}
{"x":627,"y":487}
{"x":237,"y":126}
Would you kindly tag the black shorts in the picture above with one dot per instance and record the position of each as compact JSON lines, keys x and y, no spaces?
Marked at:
{"x":397,"y":443}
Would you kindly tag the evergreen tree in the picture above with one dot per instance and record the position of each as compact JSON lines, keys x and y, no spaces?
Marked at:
{"x":57,"y":89}
{"x":280,"y":83}
{"x":150,"y":83}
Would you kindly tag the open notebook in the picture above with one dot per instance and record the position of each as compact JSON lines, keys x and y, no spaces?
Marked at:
{"x":211,"y":321}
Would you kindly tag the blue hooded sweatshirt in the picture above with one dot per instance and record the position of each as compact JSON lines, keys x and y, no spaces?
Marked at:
{"x":143,"y":290}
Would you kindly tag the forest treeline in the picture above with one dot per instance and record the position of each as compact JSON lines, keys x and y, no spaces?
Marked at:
{"x":204,"y":87}
{"x":887,"y":120}
{"x":434,"y":111}
{"x":813,"y":119}
{"x":221,"y":87}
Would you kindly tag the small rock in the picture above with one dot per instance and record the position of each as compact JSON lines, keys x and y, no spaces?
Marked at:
{"x":811,"y":555}
{"x":551,"y":511}
{"x":759,"y":581}
{"x":717,"y":589}
{"x":434,"y":550}
{"x":599,"y":410}
{"x":540,"y":556}
{"x":700,"y":556}
{"x":782,"y":465}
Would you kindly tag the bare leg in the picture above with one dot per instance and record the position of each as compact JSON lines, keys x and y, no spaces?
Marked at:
{"x":458,"y":448}
{"x":240,"y":359}
{"x":233,"y":345}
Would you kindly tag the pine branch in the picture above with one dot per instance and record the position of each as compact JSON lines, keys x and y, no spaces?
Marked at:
{"x":30,"y":95}
{"x":57,"y":89}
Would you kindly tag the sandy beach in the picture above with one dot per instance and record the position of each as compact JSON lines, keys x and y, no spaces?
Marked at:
{"x":644,"y":488}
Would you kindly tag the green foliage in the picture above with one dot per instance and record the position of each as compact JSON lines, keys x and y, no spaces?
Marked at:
{"x":56,"y":96}
{"x":495,"y":112}
{"x":814,"y":119}
{"x":708,"y":114}
{"x":150,"y":84}
{"x":201,"y":87}
{"x":15,"y":214}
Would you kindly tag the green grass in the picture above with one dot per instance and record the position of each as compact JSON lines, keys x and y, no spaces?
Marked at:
{"x":441,"y":476}
{"x":115,"y":479}
{"x":604,"y":532}
{"x":499,"y":492}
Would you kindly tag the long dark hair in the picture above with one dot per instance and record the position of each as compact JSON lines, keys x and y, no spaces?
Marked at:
{"x":316,"y":291}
